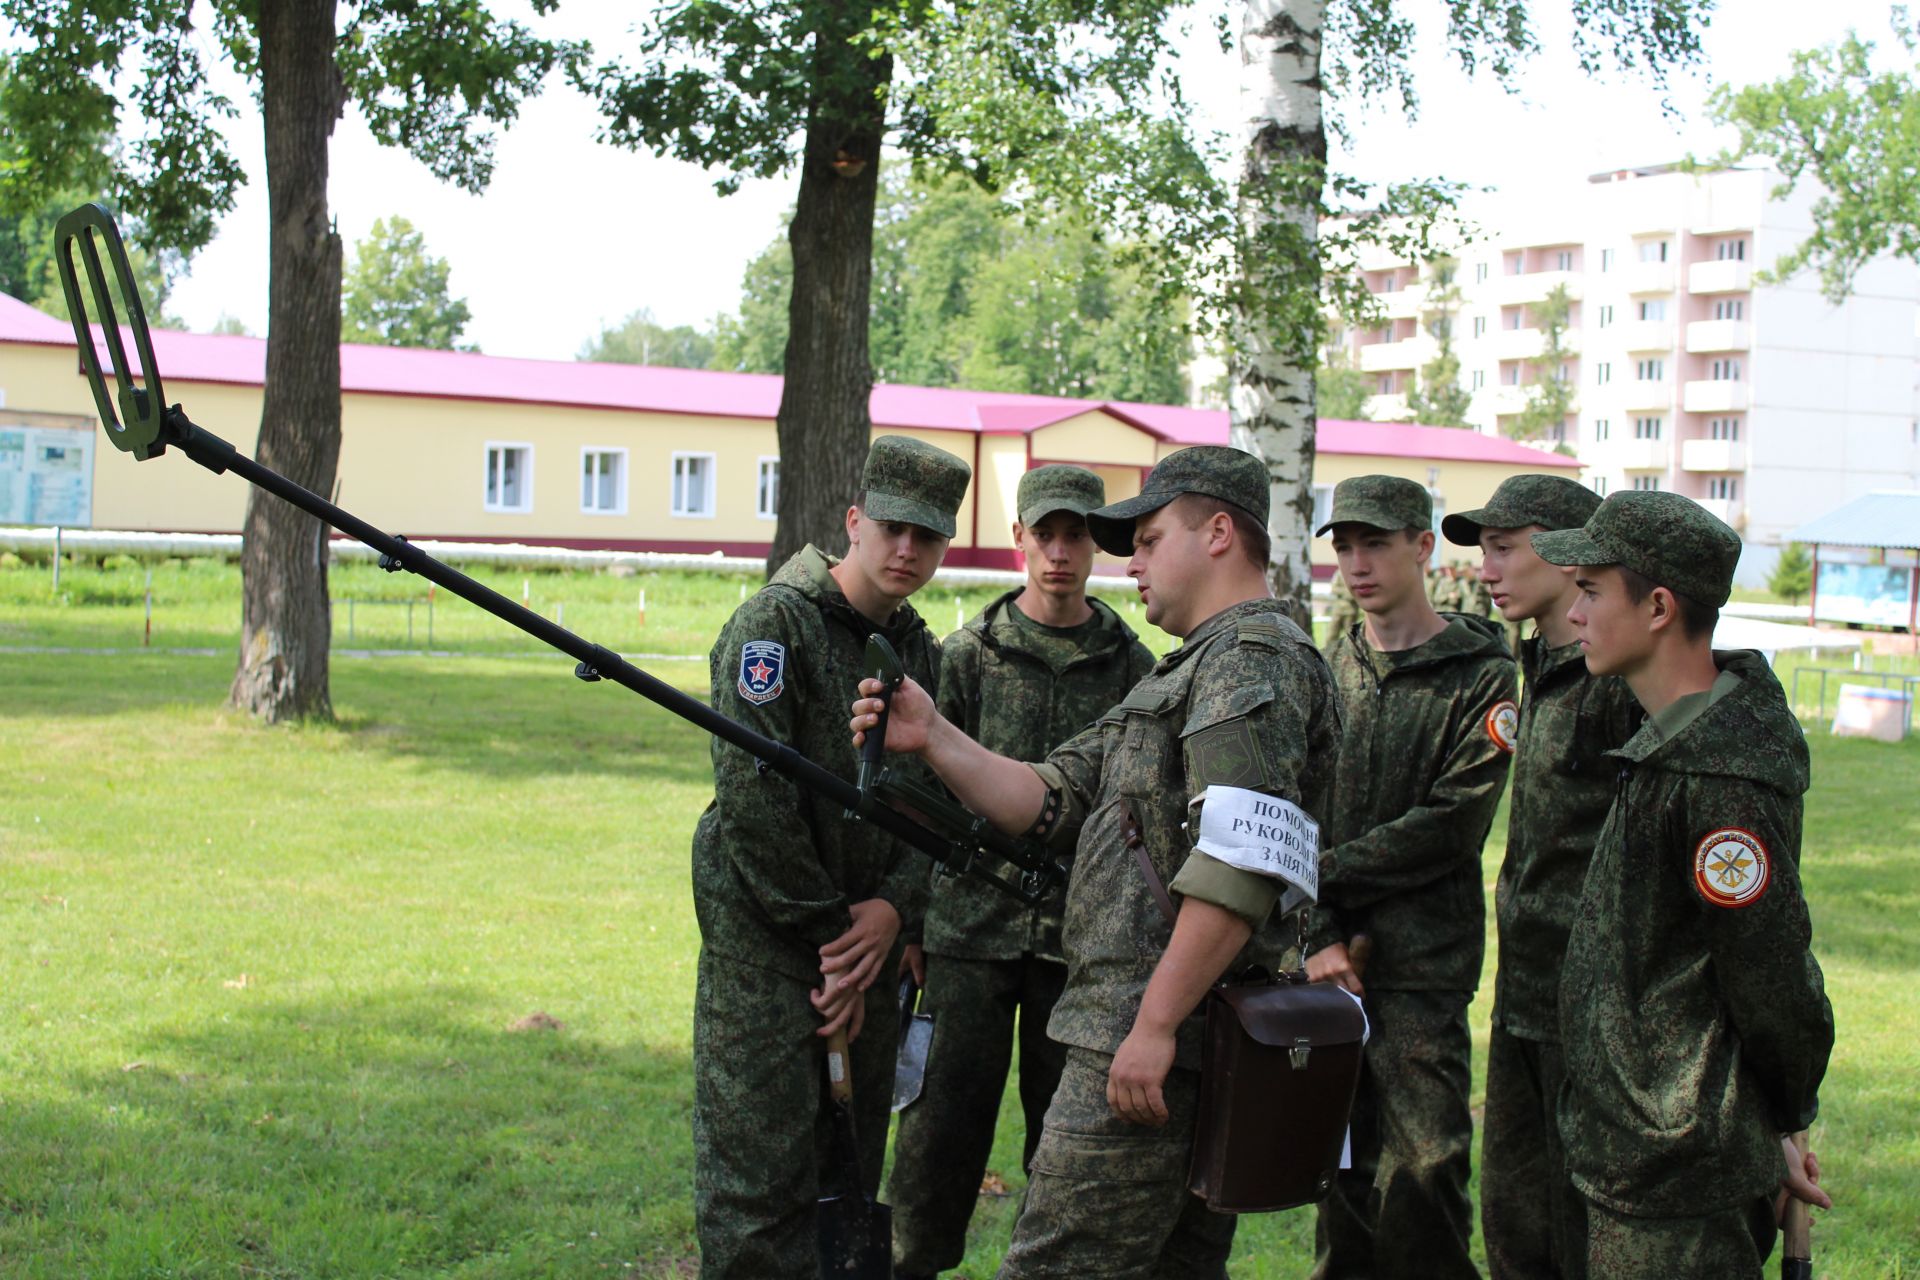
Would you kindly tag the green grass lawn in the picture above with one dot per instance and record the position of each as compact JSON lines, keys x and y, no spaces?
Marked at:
{"x":259,"y":986}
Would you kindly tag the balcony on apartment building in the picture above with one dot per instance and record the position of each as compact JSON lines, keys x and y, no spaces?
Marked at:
{"x":1649,"y":277}
{"x":1403,"y":304}
{"x":1503,"y":399}
{"x":1654,"y":395}
{"x":1726,"y":510}
{"x":1408,"y":353}
{"x":1531,"y":286}
{"x":1722,"y":275}
{"x":1387,"y":408}
{"x":1713,"y":455}
{"x":1645,"y":335}
{"x":1719,"y":335}
{"x":1528,"y":344}
{"x":1639,"y":455}
{"x":1714,"y":396}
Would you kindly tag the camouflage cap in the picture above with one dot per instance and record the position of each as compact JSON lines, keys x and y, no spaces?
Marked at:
{"x":1385,"y":502}
{"x":1058,"y":487}
{"x":1231,"y":475}
{"x":911,"y":481}
{"x":1672,"y":541}
{"x":1553,"y":501}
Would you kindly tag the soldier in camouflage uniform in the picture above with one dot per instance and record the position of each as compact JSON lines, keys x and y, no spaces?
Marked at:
{"x":1562,"y":786}
{"x":1342,"y":615}
{"x":1694,"y":1019}
{"x":1430,"y":721}
{"x":1027,"y":673}
{"x":1243,"y":714}
{"x":786,"y":888}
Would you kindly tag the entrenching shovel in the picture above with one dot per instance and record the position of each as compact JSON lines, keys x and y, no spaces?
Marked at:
{"x":1796,"y":1242}
{"x":855,"y":1232}
{"x":916,"y":1036}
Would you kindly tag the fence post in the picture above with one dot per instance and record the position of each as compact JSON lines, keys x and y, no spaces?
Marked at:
{"x":56,"y":560}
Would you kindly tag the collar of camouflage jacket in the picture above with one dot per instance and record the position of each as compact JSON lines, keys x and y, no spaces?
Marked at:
{"x":810,"y":573}
{"x":1213,"y":627}
{"x":1746,"y":732}
{"x":998,"y":630}
{"x":1543,"y":661}
{"x":1464,"y":637}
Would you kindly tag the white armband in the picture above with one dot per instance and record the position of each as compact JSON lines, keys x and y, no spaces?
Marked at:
{"x":1265,"y":835}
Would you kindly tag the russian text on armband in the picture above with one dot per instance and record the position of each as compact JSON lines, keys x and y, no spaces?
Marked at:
{"x":1262,"y":834}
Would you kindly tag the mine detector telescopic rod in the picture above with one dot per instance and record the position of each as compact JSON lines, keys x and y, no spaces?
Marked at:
{"x":138,"y":420}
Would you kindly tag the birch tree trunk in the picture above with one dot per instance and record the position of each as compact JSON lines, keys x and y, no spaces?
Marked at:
{"x":1270,"y":384}
{"x":285,"y":619}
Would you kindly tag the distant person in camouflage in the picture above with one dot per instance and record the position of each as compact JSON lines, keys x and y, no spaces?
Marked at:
{"x":1027,"y":673}
{"x":1343,"y":614}
{"x":788,"y":891}
{"x":1563,"y":784}
{"x":1430,"y":723}
{"x":1243,"y":714}
{"x":1694,"y":1019}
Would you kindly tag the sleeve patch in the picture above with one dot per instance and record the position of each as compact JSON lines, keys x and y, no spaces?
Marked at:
{"x":1225,"y":755}
{"x":1503,"y":724}
{"x":763,"y":668}
{"x":1731,"y":867}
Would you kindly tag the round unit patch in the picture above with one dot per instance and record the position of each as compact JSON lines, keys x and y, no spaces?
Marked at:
{"x":1503,"y":724}
{"x":1731,"y":867}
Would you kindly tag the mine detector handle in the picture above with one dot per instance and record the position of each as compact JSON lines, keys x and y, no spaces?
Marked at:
{"x":146,"y":428}
{"x":974,"y":837}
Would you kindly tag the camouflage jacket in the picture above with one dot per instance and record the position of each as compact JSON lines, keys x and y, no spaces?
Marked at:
{"x":1429,"y":732}
{"x":1245,"y":702}
{"x":775,"y":867}
{"x":999,"y":684}
{"x":1695,"y":1022}
{"x":1562,"y":789}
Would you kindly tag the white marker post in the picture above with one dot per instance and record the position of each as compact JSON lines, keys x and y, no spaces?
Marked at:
{"x":643,"y":606}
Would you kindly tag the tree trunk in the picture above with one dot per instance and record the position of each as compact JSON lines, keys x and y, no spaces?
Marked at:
{"x":1270,"y":392}
{"x":285,"y":618}
{"x":824,"y":420}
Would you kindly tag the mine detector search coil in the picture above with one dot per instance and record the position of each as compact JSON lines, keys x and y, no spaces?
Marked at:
{"x":139,"y":421}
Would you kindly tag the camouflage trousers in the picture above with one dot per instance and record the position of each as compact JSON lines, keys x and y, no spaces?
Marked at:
{"x":760,"y":1117}
{"x":1529,"y":1211}
{"x":945,"y":1137}
{"x":1107,"y":1200}
{"x":1402,"y":1209}
{"x":1732,"y":1244}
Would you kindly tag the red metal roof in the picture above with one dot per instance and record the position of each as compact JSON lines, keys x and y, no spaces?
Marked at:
{"x":459,"y":375}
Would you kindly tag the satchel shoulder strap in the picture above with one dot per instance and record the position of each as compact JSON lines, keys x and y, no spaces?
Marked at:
{"x":1137,"y":845}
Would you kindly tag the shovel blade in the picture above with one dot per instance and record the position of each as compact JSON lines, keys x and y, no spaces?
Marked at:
{"x":856,"y":1238}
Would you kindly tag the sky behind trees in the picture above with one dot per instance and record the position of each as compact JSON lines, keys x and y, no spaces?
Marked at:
{"x":573,"y":235}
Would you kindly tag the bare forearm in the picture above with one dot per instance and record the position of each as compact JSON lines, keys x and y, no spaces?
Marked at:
{"x":1006,"y":792}
{"x":1205,"y":940}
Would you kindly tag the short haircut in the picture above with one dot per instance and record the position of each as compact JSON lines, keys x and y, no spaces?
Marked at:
{"x":1195,"y":509}
{"x":1696,"y":620}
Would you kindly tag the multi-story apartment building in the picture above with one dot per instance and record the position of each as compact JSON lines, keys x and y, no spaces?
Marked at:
{"x":1764,"y":402}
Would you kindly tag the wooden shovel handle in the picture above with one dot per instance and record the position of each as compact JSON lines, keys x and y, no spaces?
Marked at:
{"x":1796,"y":1229}
{"x":839,"y":1067}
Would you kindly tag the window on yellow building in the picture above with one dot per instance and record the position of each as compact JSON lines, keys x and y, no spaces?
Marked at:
{"x":509,"y":477}
{"x":693,"y":484}
{"x":603,"y":481}
{"x":768,"y":504}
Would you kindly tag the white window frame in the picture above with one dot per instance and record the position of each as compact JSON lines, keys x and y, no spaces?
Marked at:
{"x":1563,"y":259}
{"x":1600,"y":486}
{"x":1480,"y":270}
{"x":1650,"y":427}
{"x":1730,"y":309}
{"x":1606,"y":316}
{"x":1727,"y":429}
{"x":1606,"y":260}
{"x":1647,"y":484}
{"x":1724,"y":488}
{"x":1654,"y":310}
{"x":1602,"y":428}
{"x":1479,"y":381}
{"x":712,"y":486}
{"x":1479,"y":327}
{"x":1602,"y":373}
{"x":1652,"y":370}
{"x":526,"y":482}
{"x":759,"y":487}
{"x":619,"y":508}
{"x":1653,"y":251}
{"x":1322,"y":504}
{"x":1724,"y":370}
{"x":1732,"y":249}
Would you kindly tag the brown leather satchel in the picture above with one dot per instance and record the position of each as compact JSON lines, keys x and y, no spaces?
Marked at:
{"x":1278,"y":1069}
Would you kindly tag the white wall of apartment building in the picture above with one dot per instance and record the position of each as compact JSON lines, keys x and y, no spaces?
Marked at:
{"x":1764,"y":402}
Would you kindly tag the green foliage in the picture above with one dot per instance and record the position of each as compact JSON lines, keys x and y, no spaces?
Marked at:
{"x":1340,"y":391}
{"x":1792,"y":575}
{"x":394,"y":293}
{"x":970,"y":291}
{"x":1853,"y":132}
{"x":639,"y":339}
{"x":1552,"y":398}
{"x":425,"y":74}
{"x":1437,"y":399}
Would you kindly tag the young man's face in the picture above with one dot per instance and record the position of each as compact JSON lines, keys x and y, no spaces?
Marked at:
{"x":894,"y":557}
{"x":1385,"y":567}
{"x":1523,"y":585}
{"x":1615,"y":633}
{"x":1168,"y":564}
{"x":1059,"y":553}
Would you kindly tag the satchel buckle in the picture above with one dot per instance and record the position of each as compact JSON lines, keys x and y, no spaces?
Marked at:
{"x":1297,"y":1055}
